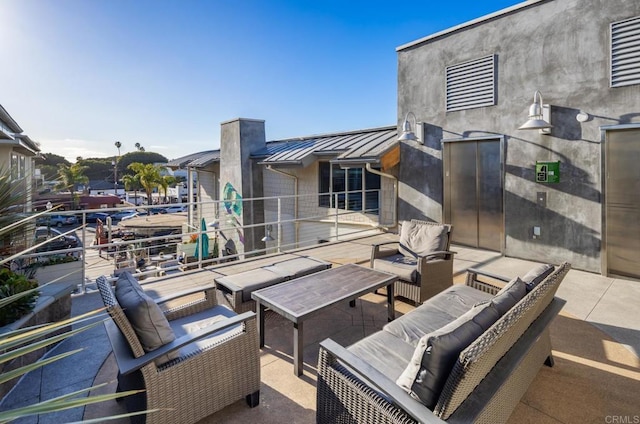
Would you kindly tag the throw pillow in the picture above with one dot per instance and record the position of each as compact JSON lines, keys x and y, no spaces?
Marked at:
{"x":509,"y":295}
{"x":145,"y":316}
{"x":437,"y":352}
{"x":536,"y":275}
{"x":421,"y":239}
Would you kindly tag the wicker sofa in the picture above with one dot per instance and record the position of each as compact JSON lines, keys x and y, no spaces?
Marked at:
{"x":436,"y":365}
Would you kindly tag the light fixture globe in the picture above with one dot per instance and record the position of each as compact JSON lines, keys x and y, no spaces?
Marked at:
{"x":407,"y":132}
{"x":539,"y":116}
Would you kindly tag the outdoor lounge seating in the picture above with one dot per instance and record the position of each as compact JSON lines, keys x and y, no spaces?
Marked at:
{"x":421,"y":259}
{"x":236,"y":289}
{"x":190,"y":361}
{"x":466,"y":355}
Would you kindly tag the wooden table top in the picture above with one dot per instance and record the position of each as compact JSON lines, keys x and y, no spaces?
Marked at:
{"x":302,"y":297}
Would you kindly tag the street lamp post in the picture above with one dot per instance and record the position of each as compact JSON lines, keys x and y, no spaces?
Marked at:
{"x":115,"y":168}
{"x":49,"y":206}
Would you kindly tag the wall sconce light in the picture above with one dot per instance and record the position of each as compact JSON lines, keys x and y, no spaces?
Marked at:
{"x":267,"y":234}
{"x":539,"y":116}
{"x":407,"y":131}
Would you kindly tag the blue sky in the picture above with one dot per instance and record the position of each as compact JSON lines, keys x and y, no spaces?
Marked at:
{"x":77,"y":75}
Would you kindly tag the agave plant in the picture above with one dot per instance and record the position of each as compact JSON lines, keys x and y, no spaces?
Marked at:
{"x":15,"y":344}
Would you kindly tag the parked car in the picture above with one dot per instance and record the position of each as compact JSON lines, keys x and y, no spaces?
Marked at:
{"x":133,"y":215}
{"x":153,"y":211}
{"x":45,"y":233}
{"x":174,"y":209}
{"x":94,"y":216}
{"x":57,"y":220}
{"x":117,"y":216}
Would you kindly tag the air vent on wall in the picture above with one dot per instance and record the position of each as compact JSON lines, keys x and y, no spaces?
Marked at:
{"x":471,"y":84}
{"x":625,"y":52}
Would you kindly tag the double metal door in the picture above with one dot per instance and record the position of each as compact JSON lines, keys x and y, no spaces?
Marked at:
{"x":622,"y":202}
{"x":473,"y":192}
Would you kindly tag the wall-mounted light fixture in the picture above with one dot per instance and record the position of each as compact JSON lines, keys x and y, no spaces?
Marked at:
{"x":267,"y":234}
{"x":407,"y":131}
{"x":539,"y":116}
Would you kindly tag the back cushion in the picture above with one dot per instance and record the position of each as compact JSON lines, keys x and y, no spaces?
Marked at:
{"x":437,"y":352}
{"x":509,"y":295}
{"x":145,"y":316}
{"x":420,"y":239}
{"x":536,"y":275}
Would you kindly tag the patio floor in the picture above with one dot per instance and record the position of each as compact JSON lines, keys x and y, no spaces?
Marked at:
{"x":596,"y":344}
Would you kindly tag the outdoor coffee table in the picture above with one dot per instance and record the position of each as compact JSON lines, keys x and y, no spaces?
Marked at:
{"x":304,"y":297}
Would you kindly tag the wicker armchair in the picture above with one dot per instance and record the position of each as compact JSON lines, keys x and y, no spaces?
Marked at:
{"x":423,"y":275}
{"x":213,"y":364}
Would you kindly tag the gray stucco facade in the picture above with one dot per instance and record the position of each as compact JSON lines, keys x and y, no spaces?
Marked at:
{"x":560,"y":47}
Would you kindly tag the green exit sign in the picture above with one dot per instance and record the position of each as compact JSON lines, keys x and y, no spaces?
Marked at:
{"x":548,"y":172}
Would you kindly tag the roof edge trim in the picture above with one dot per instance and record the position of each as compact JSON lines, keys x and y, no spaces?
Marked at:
{"x":477,"y":21}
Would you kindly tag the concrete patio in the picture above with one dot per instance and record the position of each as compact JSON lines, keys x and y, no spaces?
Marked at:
{"x":596,"y":342}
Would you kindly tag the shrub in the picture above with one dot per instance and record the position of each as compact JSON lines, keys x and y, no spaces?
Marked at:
{"x":12,"y":283}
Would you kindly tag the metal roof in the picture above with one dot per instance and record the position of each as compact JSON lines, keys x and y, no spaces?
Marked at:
{"x":350,"y":147}
{"x":195,"y":160}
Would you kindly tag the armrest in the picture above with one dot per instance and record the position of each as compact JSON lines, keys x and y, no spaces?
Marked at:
{"x":375,"y":250}
{"x":380,"y":383}
{"x":128,"y":364}
{"x":485,"y":286}
{"x":445,"y":253}
{"x":183,"y":293}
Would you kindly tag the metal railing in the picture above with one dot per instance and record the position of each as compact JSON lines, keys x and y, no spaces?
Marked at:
{"x":233,"y":229}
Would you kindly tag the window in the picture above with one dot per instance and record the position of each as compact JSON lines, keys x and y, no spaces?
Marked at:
{"x":471,"y":84}
{"x":356,"y":189}
{"x":625,"y":52}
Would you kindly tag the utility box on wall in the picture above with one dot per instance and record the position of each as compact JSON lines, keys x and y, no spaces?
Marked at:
{"x":548,"y":172}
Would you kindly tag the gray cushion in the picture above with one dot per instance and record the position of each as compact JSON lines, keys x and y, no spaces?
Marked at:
{"x":384,"y":352}
{"x":206,"y":318}
{"x":536,"y":275}
{"x":420,"y":239}
{"x":145,"y":316}
{"x":248,"y":281}
{"x":509,"y":295}
{"x":298,"y":267}
{"x":435,"y":313}
{"x":404,"y":267}
{"x":437,"y":352}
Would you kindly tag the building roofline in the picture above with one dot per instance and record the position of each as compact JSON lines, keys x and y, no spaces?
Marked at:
{"x":335,"y":134}
{"x":474,"y":22}
{"x":4,"y":116}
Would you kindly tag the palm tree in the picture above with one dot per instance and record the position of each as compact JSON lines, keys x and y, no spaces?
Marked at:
{"x":132,"y":182}
{"x":70,"y":176}
{"x":165,"y":182}
{"x":149,"y":177}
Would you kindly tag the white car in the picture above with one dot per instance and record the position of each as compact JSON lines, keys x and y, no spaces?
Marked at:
{"x":174,"y":209}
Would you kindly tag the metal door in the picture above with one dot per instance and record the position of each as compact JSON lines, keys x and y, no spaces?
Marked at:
{"x":622,"y":202}
{"x":473,"y":192}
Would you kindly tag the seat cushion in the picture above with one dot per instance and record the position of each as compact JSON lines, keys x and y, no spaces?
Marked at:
{"x":509,"y":295}
{"x":249,"y":281}
{"x":437,"y":352}
{"x":536,"y":275}
{"x":435,"y":313}
{"x":404,"y":267}
{"x":145,"y":316}
{"x":298,"y":267}
{"x":384,"y":352}
{"x":195,"y":322}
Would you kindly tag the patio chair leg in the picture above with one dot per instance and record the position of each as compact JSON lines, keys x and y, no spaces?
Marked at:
{"x":549,"y":361}
{"x":253,"y":399}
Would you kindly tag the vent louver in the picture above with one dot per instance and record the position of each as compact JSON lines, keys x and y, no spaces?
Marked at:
{"x":625,"y":52}
{"x":471,"y":84}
